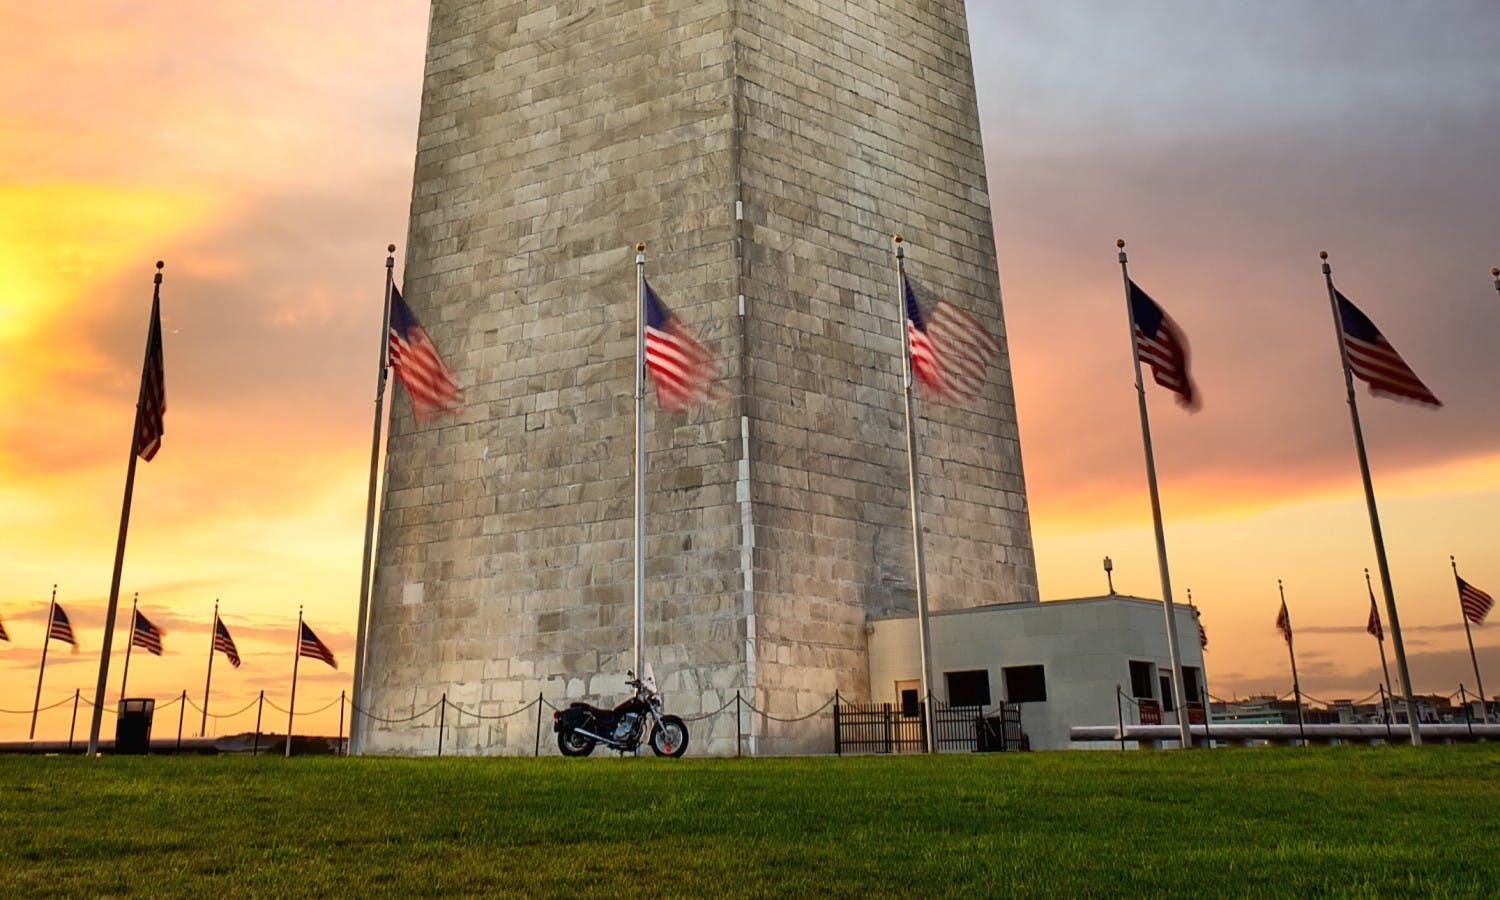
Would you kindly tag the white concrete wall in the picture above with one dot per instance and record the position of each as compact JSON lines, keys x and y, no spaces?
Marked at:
{"x":1085,"y":647}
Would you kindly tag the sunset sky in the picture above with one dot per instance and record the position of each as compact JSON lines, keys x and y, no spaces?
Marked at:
{"x":265,"y":153}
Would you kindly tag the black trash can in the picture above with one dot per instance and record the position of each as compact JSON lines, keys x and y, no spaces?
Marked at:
{"x":133,"y":726}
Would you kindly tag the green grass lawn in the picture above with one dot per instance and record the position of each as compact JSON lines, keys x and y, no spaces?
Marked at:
{"x":1369,"y":821}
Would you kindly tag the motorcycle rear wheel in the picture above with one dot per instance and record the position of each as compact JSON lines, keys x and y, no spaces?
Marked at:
{"x":671,"y":739}
{"x":571,"y":743}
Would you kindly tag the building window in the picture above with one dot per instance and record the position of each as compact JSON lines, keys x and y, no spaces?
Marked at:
{"x":910,"y":693}
{"x":968,"y":688}
{"x":1166,"y":693}
{"x":1025,"y":684}
{"x":1192,"y":685}
{"x":1142,"y":676}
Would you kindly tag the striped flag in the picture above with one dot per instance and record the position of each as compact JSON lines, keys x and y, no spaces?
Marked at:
{"x":1202,"y":636}
{"x":151,"y":427}
{"x":60,"y":628}
{"x":1162,"y":346}
{"x":1284,"y":623}
{"x":1373,"y":626}
{"x":145,"y":635}
{"x":681,"y":368}
{"x":950,"y":350}
{"x":313,"y":648}
{"x":3,"y":635}
{"x":416,"y":362}
{"x":223,"y":642}
{"x":1476,"y":603}
{"x":1374,"y":361}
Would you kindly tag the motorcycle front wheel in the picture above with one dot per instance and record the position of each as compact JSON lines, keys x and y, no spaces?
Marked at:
{"x":671,"y":738}
{"x":571,"y":743}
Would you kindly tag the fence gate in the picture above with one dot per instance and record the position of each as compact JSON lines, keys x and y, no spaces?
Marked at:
{"x":890,"y":728}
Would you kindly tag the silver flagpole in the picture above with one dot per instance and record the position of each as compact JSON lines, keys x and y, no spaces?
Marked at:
{"x":46,"y":641}
{"x":1296,"y":685}
{"x":114,"y":584}
{"x":1174,"y":656}
{"x":291,"y":709}
{"x":1484,"y":708}
{"x":213,"y":636}
{"x":1380,"y":639}
{"x":924,"y":632}
{"x":640,"y":460}
{"x":125,"y":676}
{"x":1364,"y":472}
{"x":367,"y":562}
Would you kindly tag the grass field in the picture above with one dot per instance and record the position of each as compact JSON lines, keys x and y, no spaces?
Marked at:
{"x":1367,"y":821}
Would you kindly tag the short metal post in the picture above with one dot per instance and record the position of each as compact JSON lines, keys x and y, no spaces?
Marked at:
{"x":182,"y":711}
{"x":1208,"y":738}
{"x":342,"y":750}
{"x":838,"y":742}
{"x":1468,"y":719}
{"x":442,"y":717}
{"x":255,"y":748}
{"x":74,"y":726}
{"x":536,"y":751}
{"x":1120,"y":713}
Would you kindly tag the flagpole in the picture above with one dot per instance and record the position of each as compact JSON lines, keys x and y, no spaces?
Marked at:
{"x":367,"y":561}
{"x":125,"y":676}
{"x":1495,"y":273}
{"x":1484,"y":709}
{"x":640,"y":459}
{"x":1174,"y":655}
{"x":292,"y":707}
{"x":114,"y":583}
{"x":1296,"y":685}
{"x":213,"y":636}
{"x":46,"y":642}
{"x":924,"y":632}
{"x":1382,"y":566}
{"x":1380,"y":639}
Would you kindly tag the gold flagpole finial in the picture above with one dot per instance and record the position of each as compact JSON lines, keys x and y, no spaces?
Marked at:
{"x":898,"y":238}
{"x":640,"y":248}
{"x":390,"y":248}
{"x":159,"y":266}
{"x":1120,"y":242}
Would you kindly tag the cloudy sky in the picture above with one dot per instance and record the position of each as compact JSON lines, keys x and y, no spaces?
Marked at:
{"x":266,"y":154}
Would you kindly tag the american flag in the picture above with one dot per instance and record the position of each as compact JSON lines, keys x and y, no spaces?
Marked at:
{"x":1476,"y":603}
{"x":1374,"y":361}
{"x":1373,"y":626}
{"x":950,"y":350}
{"x":60,"y":628}
{"x":681,"y":368}
{"x":1162,"y":346}
{"x":1202,"y":636}
{"x":153,"y":393}
{"x":1284,"y":623}
{"x":145,"y":635}
{"x":313,"y":648}
{"x":225,"y":643}
{"x":416,"y":362}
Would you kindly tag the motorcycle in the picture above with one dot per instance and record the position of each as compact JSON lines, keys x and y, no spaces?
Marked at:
{"x":582,"y":727}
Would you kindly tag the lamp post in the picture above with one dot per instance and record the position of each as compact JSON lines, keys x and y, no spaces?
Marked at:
{"x":1109,"y":568}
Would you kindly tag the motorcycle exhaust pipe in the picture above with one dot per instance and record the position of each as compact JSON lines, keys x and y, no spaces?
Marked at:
{"x":589,"y":734}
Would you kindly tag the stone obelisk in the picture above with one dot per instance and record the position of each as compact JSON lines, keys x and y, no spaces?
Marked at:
{"x":765,"y":153}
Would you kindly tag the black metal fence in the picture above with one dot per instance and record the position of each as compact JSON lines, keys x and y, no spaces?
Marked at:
{"x":892,"y":728}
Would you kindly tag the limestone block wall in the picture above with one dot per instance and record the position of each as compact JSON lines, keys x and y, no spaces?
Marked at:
{"x":553,"y":137}
{"x":765,"y":152}
{"x":860,"y":121}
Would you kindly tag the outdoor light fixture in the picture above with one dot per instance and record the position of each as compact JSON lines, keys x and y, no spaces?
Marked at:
{"x":1109,"y":568}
